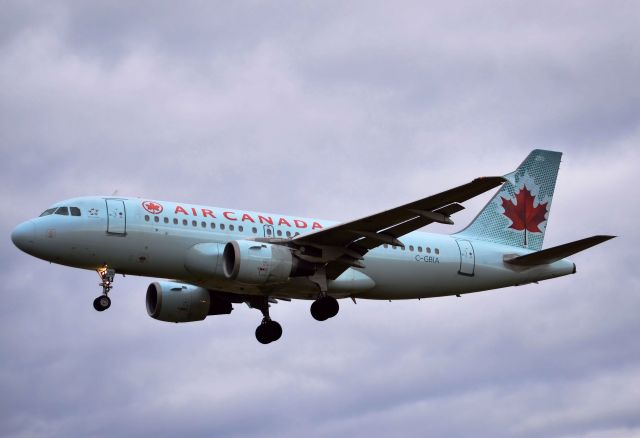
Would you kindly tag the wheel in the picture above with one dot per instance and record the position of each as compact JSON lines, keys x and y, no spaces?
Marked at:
{"x":331,"y":306}
{"x":102,"y":303}
{"x":324,"y":308}
{"x":261,"y":334}
{"x":275,"y":330}
{"x":317,"y":311}
{"x":268,"y":332}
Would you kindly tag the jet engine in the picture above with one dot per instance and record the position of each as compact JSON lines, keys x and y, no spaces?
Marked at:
{"x":253,"y":262}
{"x":179,"y":302}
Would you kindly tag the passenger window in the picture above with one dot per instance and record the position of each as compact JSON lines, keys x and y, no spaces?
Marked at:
{"x":213,"y":225}
{"x":419,"y":249}
{"x":156,"y":219}
{"x":288,"y":233}
{"x":279,"y":232}
{"x":166,"y":220}
{"x":48,"y":212}
{"x":254,"y":230}
{"x":194,"y":223}
{"x":404,"y":248}
{"x":231,"y":227}
{"x":410,"y":247}
{"x":393,"y":246}
{"x":146,"y":217}
{"x":437,"y":251}
{"x":240,"y":228}
{"x":428,"y":250}
{"x":64,"y":211}
{"x":222,"y":226}
{"x":184,"y":222}
{"x":175,"y":221}
{"x":203,"y":224}
{"x":75,"y":211}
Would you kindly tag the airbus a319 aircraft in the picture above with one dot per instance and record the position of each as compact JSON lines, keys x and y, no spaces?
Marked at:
{"x":216,"y":257}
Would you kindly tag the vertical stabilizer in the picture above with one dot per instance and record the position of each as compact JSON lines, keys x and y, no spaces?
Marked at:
{"x":518,"y":214}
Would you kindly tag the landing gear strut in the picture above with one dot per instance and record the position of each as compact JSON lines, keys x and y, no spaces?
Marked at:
{"x":103,"y":302}
{"x":325,"y":306}
{"x":269,"y":330}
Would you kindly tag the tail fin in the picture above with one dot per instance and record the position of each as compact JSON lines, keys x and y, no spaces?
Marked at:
{"x":518,"y":214}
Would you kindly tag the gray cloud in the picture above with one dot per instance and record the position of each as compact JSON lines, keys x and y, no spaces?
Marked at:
{"x":329,"y":110}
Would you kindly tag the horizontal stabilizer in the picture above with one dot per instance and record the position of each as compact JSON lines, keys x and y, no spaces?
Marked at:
{"x":556,"y":253}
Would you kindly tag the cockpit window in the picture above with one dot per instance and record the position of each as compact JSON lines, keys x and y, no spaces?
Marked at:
{"x":63,"y":211}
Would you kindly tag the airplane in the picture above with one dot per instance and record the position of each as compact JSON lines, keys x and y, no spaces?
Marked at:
{"x":214,"y":257}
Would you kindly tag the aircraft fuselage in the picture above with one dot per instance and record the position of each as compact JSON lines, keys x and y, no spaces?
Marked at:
{"x":162,"y":239}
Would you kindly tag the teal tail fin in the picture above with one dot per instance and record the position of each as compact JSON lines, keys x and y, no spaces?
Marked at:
{"x":518,"y":214}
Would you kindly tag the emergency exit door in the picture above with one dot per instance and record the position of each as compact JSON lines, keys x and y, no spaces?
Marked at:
{"x":116,"y":217}
{"x":467,"y":258}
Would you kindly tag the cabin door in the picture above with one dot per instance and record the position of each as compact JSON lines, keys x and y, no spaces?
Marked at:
{"x":467,"y":258}
{"x":116,"y":217}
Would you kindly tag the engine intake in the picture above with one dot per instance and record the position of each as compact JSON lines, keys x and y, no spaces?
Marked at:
{"x":179,"y":302}
{"x":253,"y":262}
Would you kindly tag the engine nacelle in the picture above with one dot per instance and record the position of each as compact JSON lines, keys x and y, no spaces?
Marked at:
{"x":179,"y":302}
{"x":203,"y":259}
{"x":253,"y":262}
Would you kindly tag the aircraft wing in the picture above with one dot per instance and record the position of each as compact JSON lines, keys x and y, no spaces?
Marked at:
{"x":359,"y":236}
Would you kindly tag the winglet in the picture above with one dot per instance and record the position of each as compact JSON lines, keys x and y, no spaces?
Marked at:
{"x":556,"y":253}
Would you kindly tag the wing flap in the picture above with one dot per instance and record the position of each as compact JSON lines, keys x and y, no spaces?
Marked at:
{"x":406,"y":227}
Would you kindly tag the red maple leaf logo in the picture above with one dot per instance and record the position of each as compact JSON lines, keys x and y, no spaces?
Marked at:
{"x":152,"y":207}
{"x":523,"y":215}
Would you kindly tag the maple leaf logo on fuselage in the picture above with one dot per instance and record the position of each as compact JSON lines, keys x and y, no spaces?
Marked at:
{"x":152,"y":207}
{"x":522,"y":213}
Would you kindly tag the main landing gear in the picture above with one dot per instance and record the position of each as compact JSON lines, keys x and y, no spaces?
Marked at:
{"x":103,"y":302}
{"x":324,"y":308}
{"x":269,"y":330}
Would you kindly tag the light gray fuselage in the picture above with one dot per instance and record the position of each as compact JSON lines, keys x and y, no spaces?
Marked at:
{"x":129,"y":239}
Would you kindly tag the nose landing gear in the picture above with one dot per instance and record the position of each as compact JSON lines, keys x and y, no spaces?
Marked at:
{"x":103,"y":302}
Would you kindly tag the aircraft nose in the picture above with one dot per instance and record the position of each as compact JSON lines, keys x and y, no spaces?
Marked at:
{"x":24,"y":235}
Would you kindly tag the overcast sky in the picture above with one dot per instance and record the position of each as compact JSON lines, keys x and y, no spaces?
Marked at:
{"x":332,"y":110}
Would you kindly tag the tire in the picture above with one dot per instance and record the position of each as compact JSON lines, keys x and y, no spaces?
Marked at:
{"x":274,"y":330}
{"x":317,"y":311}
{"x":324,"y":308}
{"x":262,"y":334}
{"x":331,"y":306}
{"x":268,"y":332}
{"x":102,"y":303}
